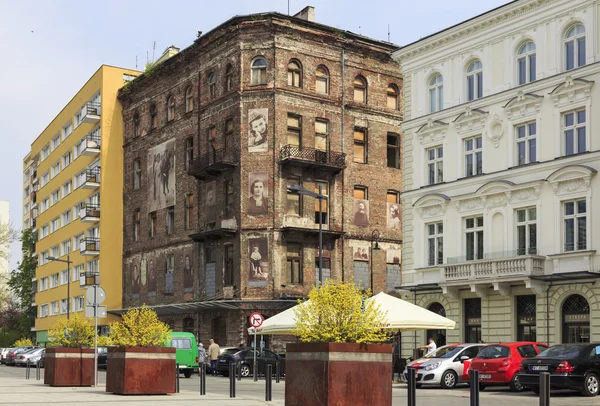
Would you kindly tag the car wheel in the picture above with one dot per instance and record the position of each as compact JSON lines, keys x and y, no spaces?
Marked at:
{"x":591,"y":385}
{"x":245,"y":370}
{"x":515,"y":384}
{"x":187,"y":373}
{"x":449,"y":379}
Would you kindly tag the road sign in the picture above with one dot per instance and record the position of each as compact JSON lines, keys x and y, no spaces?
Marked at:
{"x":100,"y":295}
{"x":256,"y":320}
{"x":89,"y":312}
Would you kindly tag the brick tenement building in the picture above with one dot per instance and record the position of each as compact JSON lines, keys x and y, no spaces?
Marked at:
{"x":214,"y":137}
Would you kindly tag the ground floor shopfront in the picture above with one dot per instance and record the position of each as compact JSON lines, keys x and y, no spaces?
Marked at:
{"x":552,"y":312}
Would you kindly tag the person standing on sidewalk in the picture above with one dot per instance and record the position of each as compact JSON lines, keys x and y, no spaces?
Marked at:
{"x":213,"y":353}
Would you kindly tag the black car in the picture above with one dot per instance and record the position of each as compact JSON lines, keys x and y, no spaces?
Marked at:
{"x":102,"y":357}
{"x":571,"y":366}
{"x":246,"y":358}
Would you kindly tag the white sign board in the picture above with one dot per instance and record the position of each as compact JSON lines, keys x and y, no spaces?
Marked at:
{"x":100,"y":295}
{"x":89,"y":312}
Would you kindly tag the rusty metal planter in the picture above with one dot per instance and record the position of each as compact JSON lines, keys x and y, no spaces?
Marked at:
{"x":336,"y":374}
{"x":69,"y":367}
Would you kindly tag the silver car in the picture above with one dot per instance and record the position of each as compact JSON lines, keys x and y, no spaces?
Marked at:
{"x":32,"y":356}
{"x":447,"y":366}
{"x":3,"y":355}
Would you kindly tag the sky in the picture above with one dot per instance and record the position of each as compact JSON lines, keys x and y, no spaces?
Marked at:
{"x":50,"y":48}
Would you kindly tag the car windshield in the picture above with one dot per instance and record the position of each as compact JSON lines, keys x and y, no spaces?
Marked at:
{"x":494,"y":351}
{"x":563,"y":351}
{"x":447,"y":351}
{"x":230,"y":351}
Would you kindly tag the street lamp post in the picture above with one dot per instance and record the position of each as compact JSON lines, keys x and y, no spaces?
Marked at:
{"x":300,"y":190}
{"x":68,"y":262}
{"x":374,"y":239}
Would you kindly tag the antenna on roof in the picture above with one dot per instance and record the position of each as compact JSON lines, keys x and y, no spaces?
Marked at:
{"x":388,"y":33}
{"x":288,"y":7}
{"x":136,"y":62}
{"x":147,"y":60}
{"x":153,"y":49}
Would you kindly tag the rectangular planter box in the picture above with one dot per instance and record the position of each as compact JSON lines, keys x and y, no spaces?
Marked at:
{"x":69,"y":367}
{"x":141,"y":370}
{"x":338,"y":374}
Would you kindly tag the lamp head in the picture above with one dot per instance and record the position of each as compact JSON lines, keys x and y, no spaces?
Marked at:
{"x":51,"y":258}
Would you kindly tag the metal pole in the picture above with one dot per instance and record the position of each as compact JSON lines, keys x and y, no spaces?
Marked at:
{"x":69,"y":287}
{"x":277,"y":371}
{"x":177,"y":378}
{"x":412,"y":386}
{"x":232,"y":368}
{"x":96,"y":336}
{"x":203,"y":379}
{"x":37,"y":372}
{"x":320,"y":236}
{"x":239,"y":371}
{"x":545,"y":389}
{"x":474,"y":387}
{"x":27,"y":370}
{"x":269,"y":383}
{"x":254,"y":369}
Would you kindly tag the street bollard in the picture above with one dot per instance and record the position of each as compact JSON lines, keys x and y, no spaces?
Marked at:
{"x":28,"y":370}
{"x":239,"y":370}
{"x":412,"y":386}
{"x":232,"y":368}
{"x":474,"y":387}
{"x":202,"y":373}
{"x":255,"y":372}
{"x":277,"y":372}
{"x":177,"y":378}
{"x":269,"y":383}
{"x":545,"y":389}
{"x":37,"y":370}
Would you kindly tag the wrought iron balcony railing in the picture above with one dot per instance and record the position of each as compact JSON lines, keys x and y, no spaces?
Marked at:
{"x":214,"y":162}
{"x":313,"y":156}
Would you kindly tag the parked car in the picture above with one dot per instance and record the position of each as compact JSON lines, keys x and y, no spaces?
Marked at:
{"x":571,"y":366}
{"x":246,"y":358}
{"x":102,"y":357}
{"x":3,"y":355}
{"x":10,"y":358}
{"x":32,"y":356}
{"x":447,"y":366}
{"x":186,"y":353}
{"x":498,"y":364}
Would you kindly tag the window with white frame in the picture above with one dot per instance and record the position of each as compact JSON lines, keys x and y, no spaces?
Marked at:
{"x":435,"y":165}
{"x":77,"y":209}
{"x":77,"y":241}
{"x":67,"y":217}
{"x":64,"y":277}
{"x":43,"y":284}
{"x":170,"y":263}
{"x":54,"y":281}
{"x":473,"y":238}
{"x":44,"y":310}
{"x":575,"y":225}
{"x":67,"y":159}
{"x":76,"y":272}
{"x":55,"y":170}
{"x":575,"y":47}
{"x":475,"y":80}
{"x":54,"y":252}
{"x":435,"y":243}
{"x":436,"y":93}
{"x":526,"y":143}
{"x":526,"y":63}
{"x":473,"y":156}
{"x":258,"y":71}
{"x":55,"y":142}
{"x":78,"y":303}
{"x":54,"y":197}
{"x":64,"y":305}
{"x":54,"y":308}
{"x":79,"y":117}
{"x":574,"y":132}
{"x":92,"y":267}
{"x":67,"y":130}
{"x":44,"y":258}
{"x":79,"y":179}
{"x":526,"y":231}
{"x":44,"y":231}
{"x":44,"y":205}
{"x":45,"y":178}
{"x":54,"y":225}
{"x":65,"y":247}
{"x":45,"y":152}
{"x":67,"y":188}
{"x":80,"y":148}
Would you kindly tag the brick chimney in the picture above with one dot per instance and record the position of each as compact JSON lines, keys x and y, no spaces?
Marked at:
{"x":307,"y":13}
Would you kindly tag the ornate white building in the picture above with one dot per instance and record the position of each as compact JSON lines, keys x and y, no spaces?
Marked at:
{"x":501,"y":154}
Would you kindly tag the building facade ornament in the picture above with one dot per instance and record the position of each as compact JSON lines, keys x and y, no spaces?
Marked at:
{"x":496,"y":130}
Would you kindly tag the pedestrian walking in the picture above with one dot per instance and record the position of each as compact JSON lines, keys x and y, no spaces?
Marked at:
{"x":213,"y":354}
{"x":201,"y":354}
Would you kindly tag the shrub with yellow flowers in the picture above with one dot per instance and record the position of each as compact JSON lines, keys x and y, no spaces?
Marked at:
{"x":21,"y":342}
{"x":75,"y":332}
{"x":140,"y":328}
{"x":338,"y":312}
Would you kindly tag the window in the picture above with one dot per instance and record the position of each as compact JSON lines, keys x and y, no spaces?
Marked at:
{"x":80,"y":147}
{"x":76,"y":272}
{"x":54,"y":225}
{"x":67,"y":217}
{"x":79,"y":179}
{"x":294,"y":74}
{"x":435,"y":165}
{"x":294,"y":200}
{"x":65,"y":247}
{"x":136,"y":125}
{"x":67,"y":188}
{"x":171,"y":263}
{"x":229,"y":199}
{"x":526,"y":231}
{"x":228,"y":261}
{"x":78,"y":303}
{"x":55,"y":142}
{"x":92,"y":267}
{"x":79,"y":117}
{"x":228,"y":77}
{"x":153,"y":120}
{"x":45,"y":178}
{"x":43,"y":284}
{"x":435,"y":243}
{"x":189,"y":99}
{"x":393,"y":97}
{"x":259,"y":71}
{"x":67,"y":159}
{"x":189,"y":152}
{"x":294,"y":125}
{"x":64,"y":304}
{"x":78,"y":208}
{"x":137,"y":174}
{"x":526,"y":143}
{"x":321,"y":213}
{"x":152,"y":228}
{"x":54,"y":197}
{"x":360,"y":192}
{"x":360,"y":145}
{"x":472,"y":311}
{"x":212,"y":139}
{"x":294,"y":264}
{"x":474,"y":238}
{"x":136,"y":225}
{"x":171,"y":108}
{"x":575,"y":225}
{"x":44,"y":231}
{"x":321,"y":134}
{"x":45,"y":152}
{"x":360,"y":89}
{"x":171,"y":220}
{"x":212,"y":86}
{"x":436,"y":93}
{"x":575,"y":47}
{"x":574,"y":132}
{"x":54,"y":281}
{"x":393,"y":151}
{"x":67,"y":130}
{"x":473,"y":157}
{"x":526,"y":63}
{"x":44,"y":205}
{"x":228,"y":132}
{"x":44,"y":258}
{"x":475,"y":80}
{"x":322,"y":80}
{"x":55,"y":170}
{"x":44,"y":310}
{"x":526,"y":320}
{"x":189,"y":205}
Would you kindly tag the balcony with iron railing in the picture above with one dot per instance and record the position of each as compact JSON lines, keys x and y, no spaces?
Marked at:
{"x":90,"y":213}
{"x":92,"y":178}
{"x":312,"y":157}
{"x":92,"y":112}
{"x":89,"y":246}
{"x":91,"y":144}
{"x":214,"y":163}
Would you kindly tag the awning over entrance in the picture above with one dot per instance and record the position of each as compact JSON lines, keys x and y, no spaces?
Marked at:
{"x":567,"y":276}
{"x":190,"y":307}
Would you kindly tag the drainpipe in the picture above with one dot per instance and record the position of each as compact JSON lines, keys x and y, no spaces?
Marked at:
{"x":548,"y":313}
{"x":343,"y":61}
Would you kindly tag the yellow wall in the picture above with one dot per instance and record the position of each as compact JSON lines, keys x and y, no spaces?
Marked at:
{"x":107,"y":80}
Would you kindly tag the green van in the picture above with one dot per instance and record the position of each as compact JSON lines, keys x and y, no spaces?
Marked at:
{"x":186,"y":354}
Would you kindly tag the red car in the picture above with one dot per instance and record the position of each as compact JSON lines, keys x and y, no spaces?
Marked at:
{"x":498,"y":364}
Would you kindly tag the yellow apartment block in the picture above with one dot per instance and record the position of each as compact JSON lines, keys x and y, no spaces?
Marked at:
{"x":75,"y":200}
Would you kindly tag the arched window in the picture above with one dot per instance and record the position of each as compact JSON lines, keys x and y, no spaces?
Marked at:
{"x":189,"y":99}
{"x":136,"y":125}
{"x":294,"y":73}
{"x":212,"y":86}
{"x":436,"y":93}
{"x":575,"y":47}
{"x":576,"y":320}
{"x":475,"y":80}
{"x":153,"y":120}
{"x":228,"y":78}
{"x":393,"y":97}
{"x":170,"y":108}
{"x":322,"y":81}
{"x":259,"y":71}
{"x":439,"y":336}
{"x":188,"y":325}
{"x":360,"y":89}
{"x":526,"y":62}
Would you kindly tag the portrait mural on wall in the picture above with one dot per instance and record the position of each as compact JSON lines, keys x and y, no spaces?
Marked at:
{"x":393,"y":216}
{"x":258,"y":199}
{"x":211,"y":209}
{"x":151,"y":276}
{"x":258,"y":261}
{"x":393,"y":256}
{"x":188,"y":273}
{"x":361,"y":212}
{"x":360,"y":253}
{"x":258,"y":130}
{"x":161,"y":176}
{"x":135,"y":278}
